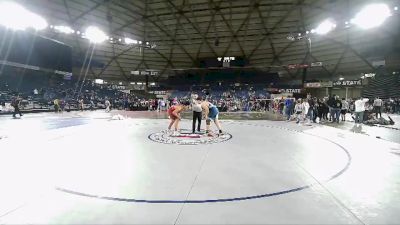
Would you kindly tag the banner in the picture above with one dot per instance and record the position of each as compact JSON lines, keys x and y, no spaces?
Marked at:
{"x":322,"y":84}
{"x":295,"y":91}
{"x":316,"y":64}
{"x":347,"y":83}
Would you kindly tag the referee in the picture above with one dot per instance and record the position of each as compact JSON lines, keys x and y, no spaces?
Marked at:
{"x":197,"y":113}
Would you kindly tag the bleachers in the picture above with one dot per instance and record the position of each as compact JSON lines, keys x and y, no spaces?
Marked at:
{"x":383,"y":86}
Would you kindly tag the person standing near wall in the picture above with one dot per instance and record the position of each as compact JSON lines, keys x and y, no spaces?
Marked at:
{"x":107,"y":105}
{"x":288,"y":108}
{"x":359,"y":110}
{"x":345,"y":109}
{"x":16,"y":103}
{"x":337,"y":107}
{"x":331,"y":103}
{"x":378,"y":103}
{"x":56,"y":105}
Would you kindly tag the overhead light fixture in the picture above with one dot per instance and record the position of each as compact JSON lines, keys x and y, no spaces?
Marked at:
{"x":37,"y":22}
{"x":129,"y":41}
{"x":372,"y":16}
{"x":99,"y":81}
{"x":325,"y":27}
{"x":95,"y":35}
{"x":16,"y":17}
{"x":64,"y":29}
{"x":341,"y":78}
{"x":396,"y":8}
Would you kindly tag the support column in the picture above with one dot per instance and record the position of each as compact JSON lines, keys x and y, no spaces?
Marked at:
{"x":146,"y":87}
{"x":347,"y":92}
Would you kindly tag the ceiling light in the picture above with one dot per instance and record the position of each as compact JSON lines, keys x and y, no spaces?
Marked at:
{"x":16,"y":17}
{"x":99,"y":81}
{"x":37,"y":22}
{"x":313,"y":31}
{"x":325,"y":27}
{"x":129,"y":41}
{"x":372,"y":16}
{"x":341,"y":78}
{"x":307,"y":32}
{"x":64,"y":29}
{"x":95,"y":35}
{"x":396,"y":8}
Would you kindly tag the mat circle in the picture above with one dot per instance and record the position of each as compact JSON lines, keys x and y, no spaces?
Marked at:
{"x":185,"y":137}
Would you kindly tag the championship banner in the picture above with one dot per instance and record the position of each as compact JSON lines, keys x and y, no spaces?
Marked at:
{"x":316,"y":64}
{"x":297,"y":66}
{"x":294,"y":91}
{"x":312,"y":85}
{"x":347,"y":83}
{"x":322,"y":84}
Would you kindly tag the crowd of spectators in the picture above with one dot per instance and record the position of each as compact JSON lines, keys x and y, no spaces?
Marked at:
{"x":334,"y":109}
{"x":69,"y":96}
{"x":89,"y":96}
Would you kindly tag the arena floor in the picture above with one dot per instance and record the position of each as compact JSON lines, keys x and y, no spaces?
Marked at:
{"x":120,"y":168}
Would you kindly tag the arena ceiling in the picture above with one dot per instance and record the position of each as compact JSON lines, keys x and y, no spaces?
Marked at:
{"x":188,"y":30}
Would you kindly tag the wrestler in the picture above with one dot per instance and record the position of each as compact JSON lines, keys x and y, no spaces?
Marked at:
{"x":174,"y":114}
{"x":211,"y":112}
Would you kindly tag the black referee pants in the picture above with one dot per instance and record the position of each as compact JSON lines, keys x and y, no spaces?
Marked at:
{"x":196,"y":116}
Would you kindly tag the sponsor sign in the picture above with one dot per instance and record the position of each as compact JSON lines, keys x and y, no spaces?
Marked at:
{"x":295,"y":91}
{"x":347,"y":83}
{"x":316,"y":64}
{"x":322,"y":84}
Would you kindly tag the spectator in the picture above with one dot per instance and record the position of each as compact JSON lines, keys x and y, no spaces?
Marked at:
{"x":337,"y":106}
{"x":345,"y":109}
{"x":288,"y":108}
{"x":378,"y":103}
{"x":56,"y":105}
{"x":299,"y":111}
{"x":331,"y":103}
{"x":359,"y":110}
{"x":16,"y":104}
